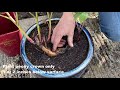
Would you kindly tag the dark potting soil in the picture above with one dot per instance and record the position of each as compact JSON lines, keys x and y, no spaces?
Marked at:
{"x":70,"y":59}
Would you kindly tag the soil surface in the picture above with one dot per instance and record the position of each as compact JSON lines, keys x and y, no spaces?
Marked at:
{"x":70,"y":59}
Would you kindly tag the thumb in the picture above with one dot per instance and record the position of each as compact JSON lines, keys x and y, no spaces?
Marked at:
{"x":70,"y":40}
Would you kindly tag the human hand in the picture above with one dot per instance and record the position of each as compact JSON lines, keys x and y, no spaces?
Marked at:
{"x":65,"y":27}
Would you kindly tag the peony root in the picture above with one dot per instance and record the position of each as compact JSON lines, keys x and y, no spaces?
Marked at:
{"x":48,"y":52}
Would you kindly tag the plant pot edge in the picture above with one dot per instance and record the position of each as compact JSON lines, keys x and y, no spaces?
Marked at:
{"x":61,"y":75}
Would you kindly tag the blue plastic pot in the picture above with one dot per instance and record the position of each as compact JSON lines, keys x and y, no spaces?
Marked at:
{"x":70,"y":73}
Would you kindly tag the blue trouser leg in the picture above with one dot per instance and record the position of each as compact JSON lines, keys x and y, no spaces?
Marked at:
{"x":110,"y":24}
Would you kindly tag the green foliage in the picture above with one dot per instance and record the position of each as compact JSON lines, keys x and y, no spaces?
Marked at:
{"x":80,"y":16}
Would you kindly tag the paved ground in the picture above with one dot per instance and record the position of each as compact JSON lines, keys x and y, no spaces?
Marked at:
{"x":105,"y":63}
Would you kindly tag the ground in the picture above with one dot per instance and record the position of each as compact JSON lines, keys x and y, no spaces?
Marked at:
{"x":105,"y":62}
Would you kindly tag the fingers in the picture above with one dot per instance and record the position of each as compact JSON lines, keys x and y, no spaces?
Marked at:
{"x":56,"y":40}
{"x":70,"y":39}
{"x":56,"y":37}
{"x":52,"y":38}
{"x":61,"y":43}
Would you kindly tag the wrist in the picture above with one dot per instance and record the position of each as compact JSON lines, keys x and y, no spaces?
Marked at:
{"x":68,"y":15}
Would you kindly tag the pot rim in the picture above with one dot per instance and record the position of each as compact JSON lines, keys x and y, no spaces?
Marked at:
{"x":56,"y":75}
